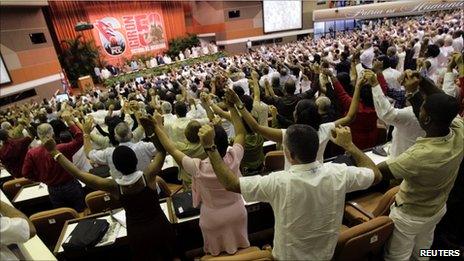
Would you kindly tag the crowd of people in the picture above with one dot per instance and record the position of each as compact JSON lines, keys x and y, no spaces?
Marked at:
{"x":137,"y":64}
{"x":316,"y":98}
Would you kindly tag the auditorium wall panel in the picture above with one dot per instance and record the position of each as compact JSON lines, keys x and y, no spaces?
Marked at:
{"x":27,"y":62}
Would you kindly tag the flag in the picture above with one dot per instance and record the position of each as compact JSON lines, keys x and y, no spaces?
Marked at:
{"x":65,"y":82}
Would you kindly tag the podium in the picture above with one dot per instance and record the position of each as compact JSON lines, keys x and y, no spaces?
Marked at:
{"x":85,"y":83}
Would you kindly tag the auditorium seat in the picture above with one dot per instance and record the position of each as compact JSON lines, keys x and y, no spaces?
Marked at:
{"x":247,"y":254}
{"x":101,"y":201}
{"x":50,"y":223}
{"x":12,"y":187}
{"x":364,"y":241}
{"x":274,"y":161}
{"x":369,"y":206}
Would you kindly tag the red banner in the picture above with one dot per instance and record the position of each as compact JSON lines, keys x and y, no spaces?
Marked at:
{"x":127,"y":34}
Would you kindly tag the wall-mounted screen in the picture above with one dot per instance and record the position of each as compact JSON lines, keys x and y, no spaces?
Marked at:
{"x":282,"y":15}
{"x":4,"y":75}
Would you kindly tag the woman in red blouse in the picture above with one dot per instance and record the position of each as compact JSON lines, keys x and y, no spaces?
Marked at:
{"x":364,"y":127}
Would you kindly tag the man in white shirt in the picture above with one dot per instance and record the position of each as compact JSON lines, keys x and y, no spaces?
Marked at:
{"x":123,"y":134}
{"x":15,"y":228}
{"x":390,"y":74}
{"x":308,"y":200}
{"x":367,"y":56}
{"x":176,"y":128}
{"x":416,"y":48}
{"x":166,"y":109}
{"x":238,"y":80}
{"x":458,"y":42}
{"x":406,"y":126}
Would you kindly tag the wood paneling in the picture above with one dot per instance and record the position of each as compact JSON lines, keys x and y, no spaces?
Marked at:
{"x":29,"y":57}
{"x":30,"y":73}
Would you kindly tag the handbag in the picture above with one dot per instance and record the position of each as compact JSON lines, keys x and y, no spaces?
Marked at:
{"x":183,"y":205}
{"x":86,"y":235}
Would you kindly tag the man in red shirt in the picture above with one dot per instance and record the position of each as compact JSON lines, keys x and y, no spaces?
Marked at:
{"x":13,"y":152}
{"x":64,"y":189}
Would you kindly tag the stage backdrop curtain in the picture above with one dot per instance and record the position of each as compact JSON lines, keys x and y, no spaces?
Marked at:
{"x":65,"y":15}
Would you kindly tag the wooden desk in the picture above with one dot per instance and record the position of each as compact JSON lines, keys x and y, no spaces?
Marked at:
{"x":37,"y":193}
{"x":34,"y":248}
{"x":269,"y":146}
{"x":5,"y":176}
{"x":188,"y":232}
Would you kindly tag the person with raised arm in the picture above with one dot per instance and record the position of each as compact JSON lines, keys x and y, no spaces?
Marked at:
{"x":306,"y":112}
{"x":428,"y":168}
{"x":150,"y":234}
{"x":308,"y":199}
{"x":223,"y":217}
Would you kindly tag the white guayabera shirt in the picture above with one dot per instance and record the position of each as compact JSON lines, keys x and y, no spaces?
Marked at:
{"x":308,"y":202}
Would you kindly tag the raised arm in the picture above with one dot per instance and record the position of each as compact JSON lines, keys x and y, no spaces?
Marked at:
{"x":225,"y":176}
{"x":354,"y":105}
{"x":11,"y":212}
{"x":342,"y":137}
{"x":223,"y":114}
{"x":255,"y":86}
{"x":205,"y":101}
{"x":267,"y":132}
{"x":156,"y":164}
{"x":166,"y":141}
{"x":340,"y":93}
{"x":93,"y":181}
{"x":239,"y":128}
{"x":87,"y":129}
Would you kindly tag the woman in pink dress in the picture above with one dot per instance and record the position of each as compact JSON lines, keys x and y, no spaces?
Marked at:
{"x":223,"y":217}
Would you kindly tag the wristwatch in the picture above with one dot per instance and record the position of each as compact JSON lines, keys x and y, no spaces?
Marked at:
{"x":55,"y":158}
{"x":240,"y":106}
{"x":212,"y":148}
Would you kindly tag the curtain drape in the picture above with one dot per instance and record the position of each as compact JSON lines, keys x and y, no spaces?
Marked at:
{"x":65,"y":15}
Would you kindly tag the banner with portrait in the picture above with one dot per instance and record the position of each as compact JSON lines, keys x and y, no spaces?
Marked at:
{"x":124,"y":35}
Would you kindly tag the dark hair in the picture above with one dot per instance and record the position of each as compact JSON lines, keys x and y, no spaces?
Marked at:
{"x":4,"y":135}
{"x":124,"y":160}
{"x":441,"y":108}
{"x":306,"y":113}
{"x":65,"y":136}
{"x":290,"y":87}
{"x":181,"y":109}
{"x":221,"y":140}
{"x":238,"y":90}
{"x":386,"y":63}
{"x":58,"y":126}
{"x":191,"y":131}
{"x":345,"y":79}
{"x":432,"y":51}
{"x":248,"y":104}
{"x":366,"y":96}
{"x":98,"y":106}
{"x":302,"y":142}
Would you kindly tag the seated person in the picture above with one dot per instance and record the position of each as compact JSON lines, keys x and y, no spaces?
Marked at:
{"x":15,"y":228}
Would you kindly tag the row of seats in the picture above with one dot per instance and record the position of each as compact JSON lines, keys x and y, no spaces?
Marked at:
{"x":368,"y":225}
